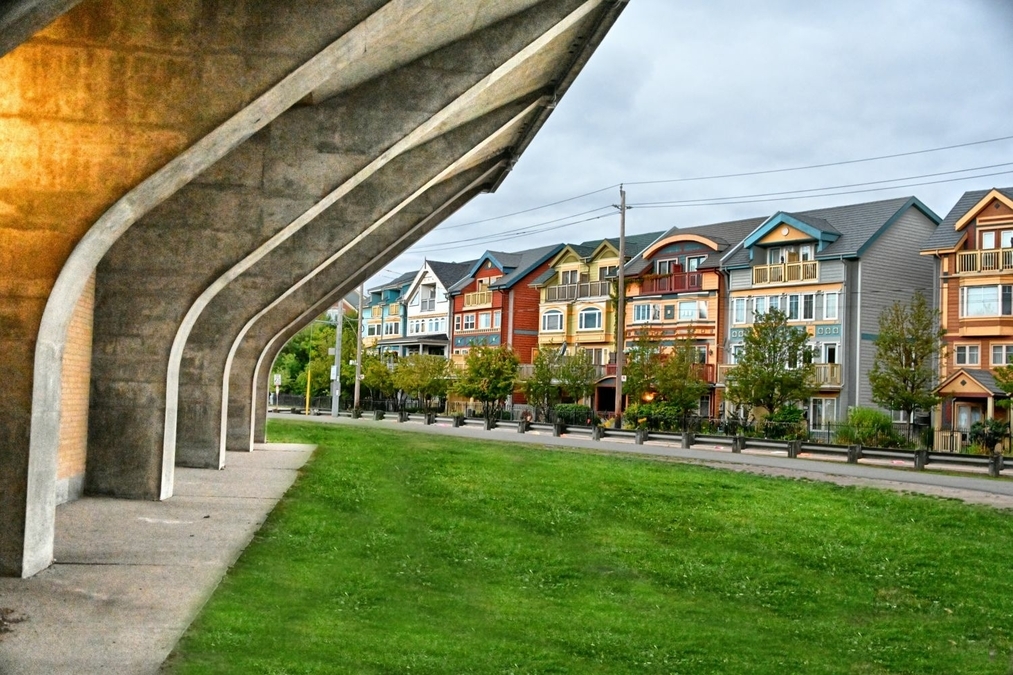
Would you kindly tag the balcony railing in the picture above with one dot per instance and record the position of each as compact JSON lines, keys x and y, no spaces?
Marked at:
{"x":826,"y":374}
{"x":786,"y":273}
{"x":586,"y":289}
{"x":673,"y":283}
{"x":477,"y":299}
{"x":992,"y":260}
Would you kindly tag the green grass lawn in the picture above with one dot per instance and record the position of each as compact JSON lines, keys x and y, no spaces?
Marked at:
{"x":399,"y":552}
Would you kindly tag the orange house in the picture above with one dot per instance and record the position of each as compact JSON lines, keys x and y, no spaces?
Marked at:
{"x":973,"y":248}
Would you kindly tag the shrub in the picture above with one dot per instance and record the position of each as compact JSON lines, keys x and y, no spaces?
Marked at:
{"x":987,"y":434}
{"x":869,"y":427}
{"x":660,"y":416}
{"x":785,"y":423}
{"x":576,"y":414}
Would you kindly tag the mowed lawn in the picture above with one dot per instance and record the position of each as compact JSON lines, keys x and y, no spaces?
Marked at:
{"x":400,"y":552}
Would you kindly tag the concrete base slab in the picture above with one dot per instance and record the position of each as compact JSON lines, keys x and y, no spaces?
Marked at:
{"x":130,"y":576}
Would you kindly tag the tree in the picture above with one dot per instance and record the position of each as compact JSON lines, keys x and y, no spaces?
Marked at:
{"x":542,"y":388}
{"x":640,"y":366}
{"x":307,"y":350}
{"x":489,"y":377}
{"x":906,"y":351}
{"x":427,"y":376}
{"x":775,"y":367}
{"x":377,"y":376}
{"x":679,"y":379}
{"x":577,"y":374}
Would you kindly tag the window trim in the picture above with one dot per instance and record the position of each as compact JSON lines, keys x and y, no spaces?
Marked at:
{"x":1007,"y":352}
{"x":588,"y":311}
{"x":967,"y":347}
{"x":555,"y":313}
{"x":735,"y":311}
{"x":469,"y":319}
{"x":637,"y":307}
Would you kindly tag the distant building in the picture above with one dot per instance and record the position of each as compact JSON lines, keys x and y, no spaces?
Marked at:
{"x":428,"y":309}
{"x":383,"y":319}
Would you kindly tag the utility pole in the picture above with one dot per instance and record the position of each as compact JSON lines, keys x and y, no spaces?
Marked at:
{"x":621,"y":307}
{"x":358,"y":352}
{"x":336,"y":386}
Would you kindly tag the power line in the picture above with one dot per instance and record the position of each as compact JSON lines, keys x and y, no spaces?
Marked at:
{"x":533,"y":208}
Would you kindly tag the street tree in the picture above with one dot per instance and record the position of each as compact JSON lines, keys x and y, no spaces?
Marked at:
{"x":489,"y":377}
{"x":641,"y":366}
{"x":425,"y":376}
{"x":679,"y":379}
{"x":907,"y":349}
{"x":542,"y":388}
{"x":775,"y":368}
{"x":377,"y":376}
{"x":577,"y":375}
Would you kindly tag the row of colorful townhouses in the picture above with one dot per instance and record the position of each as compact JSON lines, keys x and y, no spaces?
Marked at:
{"x":832,"y":271}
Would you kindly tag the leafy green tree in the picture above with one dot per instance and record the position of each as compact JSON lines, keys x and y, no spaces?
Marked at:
{"x":489,"y":376}
{"x":577,"y":374}
{"x":425,"y":376}
{"x":640,"y":366}
{"x":679,"y":378}
{"x":307,"y":350}
{"x":775,"y":368}
{"x":907,"y":348}
{"x":377,"y":377}
{"x":542,"y":388}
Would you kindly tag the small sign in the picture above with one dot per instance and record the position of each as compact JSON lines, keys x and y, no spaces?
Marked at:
{"x":330,"y":351}
{"x":334,"y":373}
{"x":277,"y":379}
{"x":624,"y":378}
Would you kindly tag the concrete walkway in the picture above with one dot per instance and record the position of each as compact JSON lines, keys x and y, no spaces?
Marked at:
{"x":130,"y":576}
{"x":972,"y":488}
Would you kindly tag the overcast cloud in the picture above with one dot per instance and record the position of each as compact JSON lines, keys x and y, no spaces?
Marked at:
{"x":686,"y":89}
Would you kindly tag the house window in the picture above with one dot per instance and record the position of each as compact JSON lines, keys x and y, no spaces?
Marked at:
{"x":967,"y":355}
{"x":986,"y":301}
{"x":608,"y":272}
{"x":805,"y":252}
{"x":469,"y":322}
{"x":736,"y":353}
{"x":1006,"y":238}
{"x":599,"y":356}
{"x":641,"y":313}
{"x":457,"y":322}
{"x":705,"y":406}
{"x":700,"y":354}
{"x":552,"y":320}
{"x":899,"y":416}
{"x":760,"y":306}
{"x":829,"y":352}
{"x":589,"y":319}
{"x":830,"y":306}
{"x":372,"y":329}
{"x":808,"y":307}
{"x":691,"y":310}
{"x":497,"y":318}
{"x":1002,"y":355}
{"x":775,"y":255}
{"x":484,"y":320}
{"x":664,"y":266}
{"x":392,"y":328}
{"x":693,"y":264}
{"x":988,"y":239}
{"x":739,"y":310}
{"x":774,"y":302}
{"x":822,"y":412}
{"x":568,"y":277}
{"x":793,"y":308}
{"x":669,"y":312}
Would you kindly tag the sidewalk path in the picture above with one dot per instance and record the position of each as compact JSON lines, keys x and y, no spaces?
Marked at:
{"x":971,"y":488}
{"x":130,"y":576}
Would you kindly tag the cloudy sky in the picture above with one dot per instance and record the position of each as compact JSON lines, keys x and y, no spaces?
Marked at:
{"x":687,"y":90}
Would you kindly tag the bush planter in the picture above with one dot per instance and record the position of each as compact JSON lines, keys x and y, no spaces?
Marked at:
{"x":378,"y":415}
{"x":457,"y":421}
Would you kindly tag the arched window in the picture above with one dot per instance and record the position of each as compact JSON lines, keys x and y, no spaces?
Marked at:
{"x":589,"y":319}
{"x":552,"y":320}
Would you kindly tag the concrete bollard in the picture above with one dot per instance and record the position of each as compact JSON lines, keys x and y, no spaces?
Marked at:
{"x":356,"y":413}
{"x":995,"y":465}
{"x":377,"y":415}
{"x":490,"y":424}
{"x":794,"y":447}
{"x":738,"y":444}
{"x":921,"y":459}
{"x":457,"y":421}
{"x":558,"y":429}
{"x":596,"y":433}
{"x":430,"y":419}
{"x":641,"y":436}
{"x":854,"y":454}
{"x":522,"y":426}
{"x":688,"y":438}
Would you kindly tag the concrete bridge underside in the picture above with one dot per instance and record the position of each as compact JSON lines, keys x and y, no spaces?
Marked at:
{"x":183,"y":186}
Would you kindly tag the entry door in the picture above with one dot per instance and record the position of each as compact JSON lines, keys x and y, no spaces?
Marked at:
{"x":967,"y":414}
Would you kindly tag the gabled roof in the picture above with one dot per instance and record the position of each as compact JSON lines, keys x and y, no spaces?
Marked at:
{"x":398,"y":283}
{"x":984,"y":378}
{"x":722,"y":234}
{"x":857,"y":226}
{"x":947,"y":236}
{"x":526,"y":262}
{"x":450,"y":273}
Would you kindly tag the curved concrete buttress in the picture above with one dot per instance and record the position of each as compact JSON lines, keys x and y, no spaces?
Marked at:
{"x":210,"y":234}
{"x":321,"y":291}
{"x":315,"y":249}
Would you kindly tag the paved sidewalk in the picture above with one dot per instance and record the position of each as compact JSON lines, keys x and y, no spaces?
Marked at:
{"x":972,"y":488}
{"x":130,"y":576}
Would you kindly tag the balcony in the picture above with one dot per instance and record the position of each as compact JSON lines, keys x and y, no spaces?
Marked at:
{"x":586,"y":289}
{"x":825,"y":375}
{"x":673,"y":283}
{"x":992,"y":260}
{"x":428,"y":305}
{"x":786,"y":273}
{"x":478,"y":299}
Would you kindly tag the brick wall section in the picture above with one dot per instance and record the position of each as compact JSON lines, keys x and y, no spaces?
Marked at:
{"x":76,"y":381}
